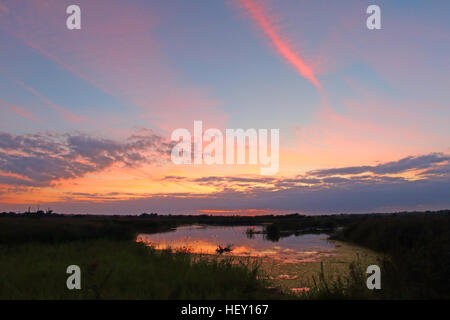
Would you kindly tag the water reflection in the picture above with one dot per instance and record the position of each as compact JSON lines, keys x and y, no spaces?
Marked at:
{"x":242,"y":241}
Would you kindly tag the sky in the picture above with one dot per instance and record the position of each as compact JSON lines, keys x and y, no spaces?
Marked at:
{"x":86,"y":115}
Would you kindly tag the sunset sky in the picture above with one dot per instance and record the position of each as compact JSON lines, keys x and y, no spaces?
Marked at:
{"x":86,"y":115}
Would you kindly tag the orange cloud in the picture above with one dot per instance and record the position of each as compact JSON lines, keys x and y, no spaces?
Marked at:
{"x":266,"y":23}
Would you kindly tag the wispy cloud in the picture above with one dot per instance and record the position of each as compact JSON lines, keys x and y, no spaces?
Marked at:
{"x":67,"y":115}
{"x":20,"y":111}
{"x":266,"y":23}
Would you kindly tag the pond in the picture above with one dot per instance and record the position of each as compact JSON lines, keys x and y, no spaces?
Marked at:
{"x":206,"y":240}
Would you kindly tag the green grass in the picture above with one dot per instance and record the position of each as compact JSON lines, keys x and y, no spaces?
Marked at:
{"x":113,"y":269}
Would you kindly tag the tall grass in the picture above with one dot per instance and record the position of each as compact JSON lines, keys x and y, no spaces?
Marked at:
{"x":417,"y":253}
{"x":114,"y":269}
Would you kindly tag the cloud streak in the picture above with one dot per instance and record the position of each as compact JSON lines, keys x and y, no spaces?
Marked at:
{"x":20,"y":111}
{"x":67,"y":115}
{"x":266,"y":24}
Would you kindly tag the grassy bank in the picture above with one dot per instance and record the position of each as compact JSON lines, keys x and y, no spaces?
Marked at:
{"x":417,"y":253}
{"x":115,"y":269}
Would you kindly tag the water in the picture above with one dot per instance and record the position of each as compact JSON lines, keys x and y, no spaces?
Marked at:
{"x":206,"y":239}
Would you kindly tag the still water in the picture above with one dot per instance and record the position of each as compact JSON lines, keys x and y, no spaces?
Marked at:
{"x":206,"y":239}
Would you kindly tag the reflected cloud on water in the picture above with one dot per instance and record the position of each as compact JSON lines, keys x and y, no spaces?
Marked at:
{"x":207,"y":239}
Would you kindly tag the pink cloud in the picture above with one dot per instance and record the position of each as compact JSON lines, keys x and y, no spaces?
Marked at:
{"x":266,"y":23}
{"x":67,"y":115}
{"x":20,"y":111}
